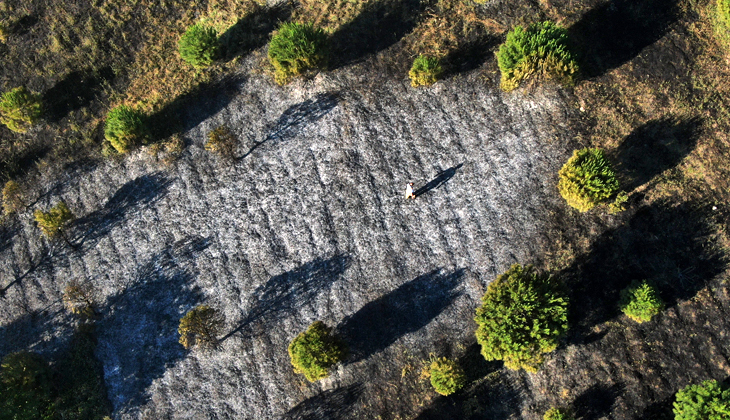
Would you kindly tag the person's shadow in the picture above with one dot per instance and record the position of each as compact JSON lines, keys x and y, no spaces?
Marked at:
{"x":440,"y":179}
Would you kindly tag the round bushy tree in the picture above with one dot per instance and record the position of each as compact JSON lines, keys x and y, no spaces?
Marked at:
{"x":557,"y":414}
{"x":425,"y":71}
{"x":315,"y":351}
{"x":199,"y":45}
{"x":640,"y":301}
{"x":54,"y":220}
{"x":20,"y":109}
{"x":540,"y":50}
{"x":12,"y":197}
{"x":125,"y":127}
{"x":200,"y":326}
{"x":447,"y":376}
{"x":709,"y":401}
{"x":523,"y":315}
{"x":587,"y":179}
{"x":295,"y":48}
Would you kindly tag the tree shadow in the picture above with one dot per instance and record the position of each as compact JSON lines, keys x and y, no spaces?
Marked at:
{"x":252,"y":31}
{"x":666,"y":243}
{"x":407,"y":309}
{"x":596,"y":402}
{"x":42,"y":261}
{"x":285,"y":293}
{"x":331,"y":405}
{"x":25,"y":331}
{"x":8,"y":229}
{"x":441,"y":178}
{"x":138,"y":337}
{"x":632,"y":25}
{"x":22,"y":26}
{"x":655,"y":147}
{"x":75,"y":91}
{"x":380,"y":25}
{"x":296,"y":117}
{"x":471,"y":54}
{"x":660,"y":410}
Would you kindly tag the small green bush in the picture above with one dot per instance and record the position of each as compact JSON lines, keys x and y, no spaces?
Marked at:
{"x":315,"y":351}
{"x":222,"y":142}
{"x":523,"y":315}
{"x":640,"y":301}
{"x":557,"y":414}
{"x":541,"y":50}
{"x":20,"y":109}
{"x":12,"y":197}
{"x":425,"y":71}
{"x":587,"y":179}
{"x":295,"y":48}
{"x":709,"y":401}
{"x":447,"y":376}
{"x":52,"y":222}
{"x":199,"y":45}
{"x":722,"y":21}
{"x":200,"y":326}
{"x":125,"y":127}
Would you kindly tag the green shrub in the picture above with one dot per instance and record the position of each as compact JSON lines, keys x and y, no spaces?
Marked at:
{"x":315,"y":351}
{"x":523,"y":315}
{"x":52,"y":222}
{"x":199,"y":45}
{"x":709,"y":401}
{"x":20,"y":109}
{"x":587,"y":179}
{"x":722,"y":21}
{"x":640,"y":301}
{"x":295,"y":48}
{"x":25,"y":387}
{"x":541,"y":50}
{"x":447,"y":376}
{"x":557,"y":414}
{"x":79,"y":298}
{"x":222,"y":142}
{"x":200,"y":326}
{"x":12,"y":197}
{"x":125,"y":127}
{"x":425,"y":71}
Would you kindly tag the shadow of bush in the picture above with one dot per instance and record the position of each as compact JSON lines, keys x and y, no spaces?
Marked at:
{"x":253,"y":30}
{"x":596,"y":402}
{"x":75,"y":91}
{"x":334,"y":404}
{"x":471,"y":53}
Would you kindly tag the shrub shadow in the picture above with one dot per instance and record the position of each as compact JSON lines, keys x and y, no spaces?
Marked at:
{"x":596,"y":402}
{"x":441,"y":178}
{"x":285,"y":293}
{"x":407,"y":309}
{"x":75,"y":91}
{"x":471,"y":54}
{"x":138,"y":337}
{"x":655,"y":147}
{"x":252,"y":31}
{"x":668,"y":244}
{"x":661,"y":410}
{"x":25,"y":331}
{"x":331,"y":405}
{"x":616,"y":32}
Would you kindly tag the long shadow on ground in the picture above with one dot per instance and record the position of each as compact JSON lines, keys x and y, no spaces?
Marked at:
{"x":441,"y":178}
{"x":668,"y":244}
{"x":252,"y":31}
{"x":596,"y":402}
{"x":25,"y":331}
{"x":75,"y":91}
{"x":138,"y":337}
{"x":285,"y":293}
{"x":616,"y":31}
{"x":334,"y":404}
{"x":406,"y":309}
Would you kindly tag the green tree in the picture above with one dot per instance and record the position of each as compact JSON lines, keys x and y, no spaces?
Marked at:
{"x":425,"y":71}
{"x":79,"y":298}
{"x":20,"y":109}
{"x":541,"y":50}
{"x":296,"y":48}
{"x":709,"y":401}
{"x":201,"y":327}
{"x":53,"y":222}
{"x":315,"y":351}
{"x":587,"y":180}
{"x":447,"y":376}
{"x":12,"y":197}
{"x":199,"y":45}
{"x":125,"y":127}
{"x":557,"y":414}
{"x":522,"y":317}
{"x":25,"y":387}
{"x":640,"y":301}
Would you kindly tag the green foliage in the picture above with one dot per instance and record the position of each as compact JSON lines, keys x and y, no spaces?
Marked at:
{"x":541,"y":50}
{"x":523,"y":315}
{"x":640,"y":301}
{"x":722,"y":20}
{"x":447,"y":376}
{"x":425,"y":71}
{"x":125,"y":127}
{"x":221,"y":141}
{"x":201,"y":326}
{"x":709,"y":401}
{"x":52,"y":222}
{"x":199,"y":45}
{"x":315,"y":351}
{"x":20,"y":109}
{"x":557,"y":414}
{"x":25,"y":387}
{"x":295,"y":48}
{"x":12,"y":197}
{"x":587,"y":179}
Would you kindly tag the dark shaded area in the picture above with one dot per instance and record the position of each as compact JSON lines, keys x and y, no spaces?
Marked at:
{"x":252,"y":31}
{"x":286,"y":292}
{"x":406,"y":309}
{"x":596,"y":402}
{"x":16,"y":161}
{"x":441,"y":178}
{"x":8,"y":229}
{"x":22,"y":26}
{"x":131,"y":197}
{"x":655,"y":147}
{"x":75,"y":91}
{"x":472,"y":53}
{"x":661,"y":410}
{"x":24,"y":331}
{"x":296,"y":117}
{"x":380,"y":25}
{"x":141,"y":320}
{"x":330,"y":405}
{"x":475,"y":365}
{"x":668,"y":244}
{"x":616,"y":31}
{"x":40,"y":262}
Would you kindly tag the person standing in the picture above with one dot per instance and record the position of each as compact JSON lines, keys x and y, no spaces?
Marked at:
{"x":409,"y":191}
